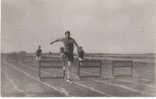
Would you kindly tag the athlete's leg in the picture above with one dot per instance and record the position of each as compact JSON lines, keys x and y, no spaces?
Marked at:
{"x":68,"y":69}
{"x":70,"y":72}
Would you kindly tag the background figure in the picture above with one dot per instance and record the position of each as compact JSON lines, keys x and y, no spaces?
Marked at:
{"x":62,"y":53}
{"x":62,"y":57}
{"x":38,"y":53}
{"x":80,"y":53}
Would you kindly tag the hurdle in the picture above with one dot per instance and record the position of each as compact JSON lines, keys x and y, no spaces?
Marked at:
{"x":29,"y":58}
{"x":12,"y":58}
{"x":50,"y":63}
{"x":89,"y":63}
{"x":122,"y":64}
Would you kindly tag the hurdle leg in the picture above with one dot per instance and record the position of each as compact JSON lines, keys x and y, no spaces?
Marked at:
{"x":39,"y":74}
{"x":132,"y":69}
{"x":39,"y":70}
{"x":64,"y":73}
{"x":78,"y":70}
{"x":100,"y":69}
{"x":112,"y":70}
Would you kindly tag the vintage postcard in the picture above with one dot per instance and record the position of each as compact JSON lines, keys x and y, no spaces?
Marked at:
{"x":78,"y":48}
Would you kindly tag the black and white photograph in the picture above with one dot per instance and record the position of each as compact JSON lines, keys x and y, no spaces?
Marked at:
{"x":78,"y":48}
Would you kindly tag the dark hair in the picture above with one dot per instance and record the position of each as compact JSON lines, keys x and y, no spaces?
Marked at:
{"x":67,"y":32}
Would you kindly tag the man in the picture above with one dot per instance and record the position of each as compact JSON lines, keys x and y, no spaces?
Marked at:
{"x":69,"y":43}
{"x":62,"y":53}
{"x":62,"y":57}
{"x":38,"y":53}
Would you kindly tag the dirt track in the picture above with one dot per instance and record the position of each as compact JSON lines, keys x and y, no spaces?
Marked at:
{"x":21,"y":79}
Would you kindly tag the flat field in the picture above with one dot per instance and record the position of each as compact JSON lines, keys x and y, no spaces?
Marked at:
{"x":19,"y":78}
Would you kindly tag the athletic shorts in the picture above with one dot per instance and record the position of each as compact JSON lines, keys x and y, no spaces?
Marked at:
{"x":38,"y":57}
{"x":69,"y":56}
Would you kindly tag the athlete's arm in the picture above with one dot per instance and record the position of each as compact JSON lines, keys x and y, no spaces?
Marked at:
{"x":76,"y":44}
{"x":57,"y":40}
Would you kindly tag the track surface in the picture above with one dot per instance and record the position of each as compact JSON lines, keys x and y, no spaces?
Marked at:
{"x":20,"y":79}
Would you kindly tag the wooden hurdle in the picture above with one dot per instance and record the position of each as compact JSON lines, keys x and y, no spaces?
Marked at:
{"x":12,"y":58}
{"x":29,"y":58}
{"x":122,"y":64}
{"x":51,"y":63}
{"x":90,"y":63}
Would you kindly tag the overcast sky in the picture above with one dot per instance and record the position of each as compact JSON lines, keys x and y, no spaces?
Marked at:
{"x":108,"y":26}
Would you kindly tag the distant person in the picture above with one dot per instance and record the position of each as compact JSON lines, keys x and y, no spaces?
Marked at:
{"x":62,"y":55}
{"x":81,"y":53}
{"x":69,"y":43}
{"x":38,"y":53}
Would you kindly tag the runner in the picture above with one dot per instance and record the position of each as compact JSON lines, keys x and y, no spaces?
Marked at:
{"x":69,"y":43}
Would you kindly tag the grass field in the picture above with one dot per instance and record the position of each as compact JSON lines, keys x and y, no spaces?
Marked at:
{"x":20,"y":79}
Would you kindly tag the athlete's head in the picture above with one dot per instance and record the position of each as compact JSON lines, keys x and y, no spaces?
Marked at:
{"x":67,"y":34}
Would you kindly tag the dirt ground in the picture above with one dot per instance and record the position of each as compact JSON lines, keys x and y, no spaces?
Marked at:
{"x":20,"y":79}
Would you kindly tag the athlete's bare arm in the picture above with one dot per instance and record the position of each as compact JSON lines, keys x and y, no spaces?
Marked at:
{"x":55,"y":41}
{"x":76,"y":44}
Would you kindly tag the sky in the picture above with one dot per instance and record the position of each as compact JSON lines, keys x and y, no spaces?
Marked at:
{"x":101,"y":26}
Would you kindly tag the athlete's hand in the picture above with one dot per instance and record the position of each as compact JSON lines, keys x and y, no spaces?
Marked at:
{"x":51,"y":43}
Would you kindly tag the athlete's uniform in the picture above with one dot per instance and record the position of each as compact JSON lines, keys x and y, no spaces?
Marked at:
{"x":68,"y":48}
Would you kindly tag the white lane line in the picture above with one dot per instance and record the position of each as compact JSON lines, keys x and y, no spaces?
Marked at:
{"x":28,"y":75}
{"x":117,"y":85}
{"x":62,"y":89}
{"x":83,"y":85}
{"x":121,"y":86}
{"x":127,"y":81}
{"x":92,"y":89}
{"x":13,"y":83}
{"x":65,"y":91}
